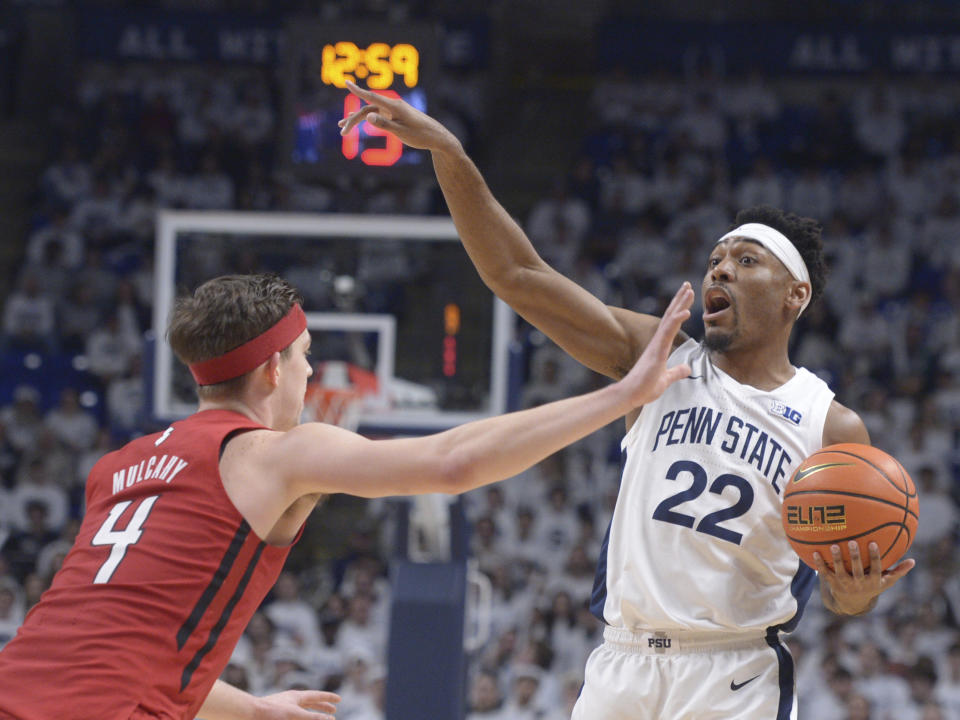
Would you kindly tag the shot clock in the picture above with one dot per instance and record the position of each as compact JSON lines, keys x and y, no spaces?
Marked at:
{"x":397,"y":61}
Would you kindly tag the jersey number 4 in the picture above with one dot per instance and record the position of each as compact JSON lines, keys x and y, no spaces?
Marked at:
{"x":710,"y":524}
{"x":120,"y":540}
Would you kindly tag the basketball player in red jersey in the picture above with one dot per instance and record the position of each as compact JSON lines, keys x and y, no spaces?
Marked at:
{"x":186,"y":530}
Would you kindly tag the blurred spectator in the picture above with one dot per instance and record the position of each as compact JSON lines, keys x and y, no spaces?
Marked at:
{"x":922,"y":678}
{"x":58,"y":232}
{"x":523,"y":703}
{"x":359,"y":632}
{"x":70,"y":423}
{"x":169,"y":186}
{"x":948,"y":681}
{"x":110,"y":349}
{"x":254,"y":118}
{"x":878,"y":125}
{"x":811,"y":195}
{"x":28,"y":318}
{"x":138,"y":214}
{"x":211,"y":189}
{"x":23,"y":547}
{"x":909,"y":187}
{"x":875,"y":682}
{"x":78,"y":316}
{"x":22,"y":418}
{"x":558,"y":210}
{"x":295,"y":621}
{"x":941,"y":229}
{"x":97,"y":216}
{"x":373,"y":705}
{"x":670,"y":185}
{"x":355,"y":690}
{"x":704,"y":123}
{"x":830,"y":703}
{"x":485,"y":700}
{"x":937,"y":509}
{"x":97,"y":276}
{"x":886,"y":262}
{"x":860,"y":195}
{"x":126,"y":399}
{"x":624,"y":186}
{"x":761,"y":186}
{"x":11,"y":609}
{"x":486,"y":544}
{"x":69,"y":179}
{"x":752,"y":100}
{"x":864,"y":333}
{"x":557,"y":526}
{"x":36,"y":488}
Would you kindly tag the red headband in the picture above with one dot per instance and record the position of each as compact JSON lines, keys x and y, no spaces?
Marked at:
{"x":252,"y":353}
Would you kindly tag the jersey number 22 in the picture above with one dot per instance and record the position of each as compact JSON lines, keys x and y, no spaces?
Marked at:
{"x":709,"y":524}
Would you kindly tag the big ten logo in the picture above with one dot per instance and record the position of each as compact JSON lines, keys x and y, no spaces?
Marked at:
{"x":658,"y":643}
{"x":786,"y":412}
{"x":802,"y":517}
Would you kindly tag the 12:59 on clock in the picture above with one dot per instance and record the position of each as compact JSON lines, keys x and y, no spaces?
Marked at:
{"x":396,"y":61}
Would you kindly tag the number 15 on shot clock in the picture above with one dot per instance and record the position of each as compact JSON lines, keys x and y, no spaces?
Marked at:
{"x":395,"y":61}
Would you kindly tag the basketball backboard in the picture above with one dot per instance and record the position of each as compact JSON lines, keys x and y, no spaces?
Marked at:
{"x":395,"y":296}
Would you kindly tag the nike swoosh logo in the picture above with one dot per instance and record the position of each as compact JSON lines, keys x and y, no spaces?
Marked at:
{"x":736,"y":686}
{"x":693,"y":377}
{"x":817,"y":468}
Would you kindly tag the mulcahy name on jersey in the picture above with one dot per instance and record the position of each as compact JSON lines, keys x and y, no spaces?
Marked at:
{"x":702,"y":426}
{"x":165,"y":468}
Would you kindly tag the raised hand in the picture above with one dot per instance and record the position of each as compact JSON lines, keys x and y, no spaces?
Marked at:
{"x":411,"y":126}
{"x":650,"y":376}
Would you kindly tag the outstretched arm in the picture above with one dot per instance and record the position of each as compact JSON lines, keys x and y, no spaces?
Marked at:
{"x":857,"y":592}
{"x":277,"y":468}
{"x":226,"y":702}
{"x":607,"y":340}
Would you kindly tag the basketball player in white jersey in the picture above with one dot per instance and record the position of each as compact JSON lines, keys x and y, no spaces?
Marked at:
{"x":696,"y":581}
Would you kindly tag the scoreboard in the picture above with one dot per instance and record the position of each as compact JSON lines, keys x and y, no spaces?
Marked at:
{"x":393,"y":60}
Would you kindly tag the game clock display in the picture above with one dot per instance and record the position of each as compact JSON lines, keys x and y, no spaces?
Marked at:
{"x":396,"y":61}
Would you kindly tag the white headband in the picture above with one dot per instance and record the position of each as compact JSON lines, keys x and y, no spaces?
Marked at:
{"x":781,"y":247}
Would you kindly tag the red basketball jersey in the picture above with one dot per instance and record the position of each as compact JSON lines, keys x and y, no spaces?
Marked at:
{"x":162,"y":580}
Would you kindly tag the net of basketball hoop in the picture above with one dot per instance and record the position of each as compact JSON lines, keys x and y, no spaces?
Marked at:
{"x":337,"y":394}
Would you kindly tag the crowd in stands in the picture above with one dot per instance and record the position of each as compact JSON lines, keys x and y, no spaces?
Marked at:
{"x":664,"y":168}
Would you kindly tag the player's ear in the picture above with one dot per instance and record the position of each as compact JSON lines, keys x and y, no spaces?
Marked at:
{"x":273,"y":369}
{"x":797,"y":294}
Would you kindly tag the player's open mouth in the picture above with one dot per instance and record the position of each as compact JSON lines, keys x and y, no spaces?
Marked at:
{"x":715,"y":303}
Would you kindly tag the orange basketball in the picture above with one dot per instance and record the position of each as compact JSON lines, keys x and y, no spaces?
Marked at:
{"x":850,"y":492}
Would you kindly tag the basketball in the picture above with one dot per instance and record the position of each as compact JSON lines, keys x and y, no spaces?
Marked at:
{"x":850,"y":492}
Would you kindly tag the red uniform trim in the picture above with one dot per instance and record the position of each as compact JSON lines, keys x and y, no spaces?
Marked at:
{"x":252,"y":353}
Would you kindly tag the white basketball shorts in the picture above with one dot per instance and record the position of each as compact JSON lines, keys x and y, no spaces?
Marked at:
{"x":688,"y":676}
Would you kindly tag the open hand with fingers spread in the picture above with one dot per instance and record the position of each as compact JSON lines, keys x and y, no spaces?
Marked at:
{"x":650,"y":376}
{"x":411,"y":126}
{"x":856,"y":592}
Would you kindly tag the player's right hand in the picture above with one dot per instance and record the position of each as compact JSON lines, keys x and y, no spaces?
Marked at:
{"x":411,"y":126}
{"x":650,"y":376}
{"x":297,"y":705}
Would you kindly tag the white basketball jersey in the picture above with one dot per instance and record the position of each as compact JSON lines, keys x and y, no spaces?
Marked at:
{"x":696,"y":541}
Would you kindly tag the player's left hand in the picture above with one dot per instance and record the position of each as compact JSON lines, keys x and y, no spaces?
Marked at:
{"x":856,"y":591}
{"x":296,"y":705}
